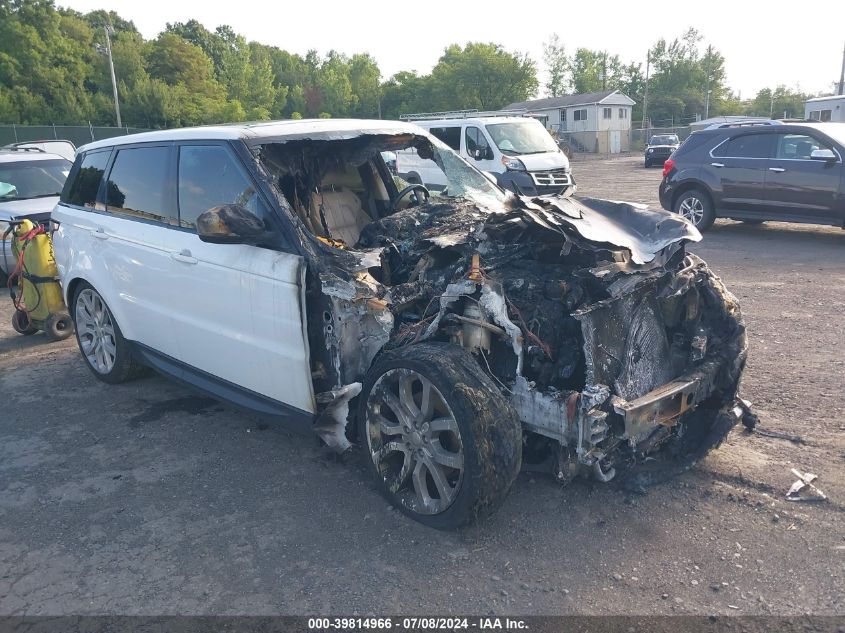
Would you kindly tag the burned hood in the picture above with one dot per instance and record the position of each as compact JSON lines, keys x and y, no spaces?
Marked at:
{"x":589,"y":223}
{"x":642,"y":231}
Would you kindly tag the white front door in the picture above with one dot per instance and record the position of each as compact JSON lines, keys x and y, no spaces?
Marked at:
{"x":237,"y":308}
{"x":615,"y":141}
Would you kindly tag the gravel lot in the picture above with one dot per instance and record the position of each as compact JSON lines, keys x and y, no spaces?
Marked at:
{"x":147,"y":499}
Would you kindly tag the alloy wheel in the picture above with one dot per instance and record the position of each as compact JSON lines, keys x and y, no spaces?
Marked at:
{"x":692,"y":209}
{"x":414,"y":441}
{"x":96,"y":331}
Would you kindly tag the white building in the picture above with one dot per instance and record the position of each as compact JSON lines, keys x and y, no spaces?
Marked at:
{"x":830,"y":108}
{"x":597,"y":121}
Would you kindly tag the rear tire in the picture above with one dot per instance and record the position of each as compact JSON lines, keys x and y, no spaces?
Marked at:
{"x":696,"y":207}
{"x":442,"y":442}
{"x":107,"y":354}
{"x":22,"y":323}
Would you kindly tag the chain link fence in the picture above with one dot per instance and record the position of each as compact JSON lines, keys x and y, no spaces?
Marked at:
{"x":593,"y":142}
{"x":76,"y":134}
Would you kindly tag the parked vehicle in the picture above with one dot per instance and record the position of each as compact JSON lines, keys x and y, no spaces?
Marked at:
{"x":63,"y":148}
{"x":659,"y":148}
{"x":517,"y":150}
{"x":456,"y":334}
{"x":30,"y":183}
{"x":790,"y":172}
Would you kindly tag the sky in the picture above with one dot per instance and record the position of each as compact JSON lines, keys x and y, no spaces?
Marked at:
{"x":764,"y":45}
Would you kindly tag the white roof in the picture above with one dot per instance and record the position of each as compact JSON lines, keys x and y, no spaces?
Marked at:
{"x":828,"y":98}
{"x":327,"y":129}
{"x":21,"y":157}
{"x":482,"y":120}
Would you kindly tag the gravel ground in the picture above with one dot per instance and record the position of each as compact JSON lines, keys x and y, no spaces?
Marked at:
{"x":147,"y":499}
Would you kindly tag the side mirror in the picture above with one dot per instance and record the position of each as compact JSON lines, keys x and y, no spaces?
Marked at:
{"x":826,"y":155}
{"x":231,"y":224}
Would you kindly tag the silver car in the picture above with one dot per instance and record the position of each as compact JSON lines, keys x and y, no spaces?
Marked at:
{"x":30,"y":183}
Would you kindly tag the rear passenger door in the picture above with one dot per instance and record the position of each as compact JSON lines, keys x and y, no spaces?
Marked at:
{"x":237,"y":308}
{"x":119,"y":237}
{"x":801,"y":187}
{"x":739,"y":166}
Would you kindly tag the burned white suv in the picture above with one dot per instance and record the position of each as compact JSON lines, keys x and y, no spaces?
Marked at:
{"x":454,"y":336}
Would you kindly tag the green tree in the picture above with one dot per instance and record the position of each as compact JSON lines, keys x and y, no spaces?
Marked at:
{"x":595,"y":71}
{"x":557,"y":66}
{"x":776,"y":102}
{"x":482,"y":76}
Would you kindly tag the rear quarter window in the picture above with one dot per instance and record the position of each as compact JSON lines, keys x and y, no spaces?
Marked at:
{"x":690,"y":144}
{"x":81,"y":190}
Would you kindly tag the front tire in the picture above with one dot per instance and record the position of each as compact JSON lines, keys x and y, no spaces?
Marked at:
{"x":107,"y":354}
{"x":442,"y":442}
{"x":696,"y":207}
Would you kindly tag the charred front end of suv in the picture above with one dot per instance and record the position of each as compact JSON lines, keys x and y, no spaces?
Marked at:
{"x":585,"y":319}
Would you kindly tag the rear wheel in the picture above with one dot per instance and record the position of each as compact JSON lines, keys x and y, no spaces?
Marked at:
{"x":441,"y":440}
{"x":107,"y":354}
{"x":696,"y":207}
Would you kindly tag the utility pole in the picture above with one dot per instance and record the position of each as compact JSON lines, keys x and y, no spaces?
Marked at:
{"x":707,"y":90}
{"x":604,"y":71}
{"x":842,"y":75}
{"x":109,"y":30}
{"x":772,"y":104}
{"x":645,"y":95}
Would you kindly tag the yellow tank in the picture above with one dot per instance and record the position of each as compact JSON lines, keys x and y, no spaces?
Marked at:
{"x":39,"y":304}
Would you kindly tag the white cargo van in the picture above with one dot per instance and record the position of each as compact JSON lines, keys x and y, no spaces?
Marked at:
{"x":517,"y":150}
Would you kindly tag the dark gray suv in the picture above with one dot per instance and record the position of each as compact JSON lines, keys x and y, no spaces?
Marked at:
{"x":786,"y":172}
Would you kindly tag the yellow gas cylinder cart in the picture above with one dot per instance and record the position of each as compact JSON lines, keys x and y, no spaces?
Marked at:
{"x":38,"y":299}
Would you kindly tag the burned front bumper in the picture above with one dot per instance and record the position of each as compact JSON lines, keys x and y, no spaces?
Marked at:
{"x":655,"y":356}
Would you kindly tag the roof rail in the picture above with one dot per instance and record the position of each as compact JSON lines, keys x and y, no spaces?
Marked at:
{"x":459,"y":114}
{"x":21,"y":148}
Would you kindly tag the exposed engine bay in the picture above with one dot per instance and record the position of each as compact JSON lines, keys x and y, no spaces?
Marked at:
{"x":607,"y":338}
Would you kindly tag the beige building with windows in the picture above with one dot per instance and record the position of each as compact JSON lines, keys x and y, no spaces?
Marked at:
{"x":830,"y":108}
{"x":594,"y":122}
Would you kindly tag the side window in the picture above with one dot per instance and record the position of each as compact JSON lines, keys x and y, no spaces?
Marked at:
{"x":210,"y":176}
{"x":138,"y":184}
{"x":83,"y":190}
{"x":581,"y":115}
{"x":746,"y":146}
{"x":796,"y":146}
{"x":607,"y":113}
{"x":623,"y":113}
{"x":449,"y":135}
{"x":476,"y":140}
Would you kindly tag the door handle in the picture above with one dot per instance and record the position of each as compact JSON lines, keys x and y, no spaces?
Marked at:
{"x":184,"y":256}
{"x":100,"y":234}
{"x":718,"y":164}
{"x":779,"y":170}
